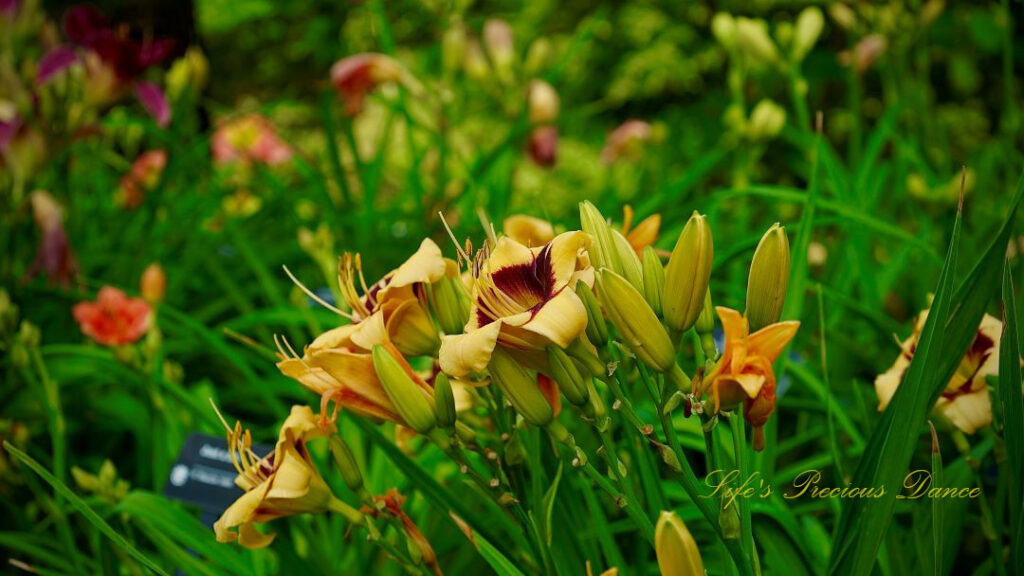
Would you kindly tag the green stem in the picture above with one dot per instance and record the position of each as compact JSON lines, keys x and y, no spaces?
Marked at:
{"x":633,"y":505}
{"x":739,"y":440}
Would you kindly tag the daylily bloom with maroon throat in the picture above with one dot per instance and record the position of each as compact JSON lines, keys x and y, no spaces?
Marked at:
{"x":744,"y":373}
{"x":113,"y":319}
{"x":249,"y":138}
{"x":523,"y":298}
{"x":114,"y":62}
{"x":283,"y":483}
{"x":338,"y":365}
{"x":356,"y":76}
{"x":965,"y":402}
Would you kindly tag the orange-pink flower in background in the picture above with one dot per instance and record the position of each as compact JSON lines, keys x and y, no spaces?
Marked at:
{"x":249,"y":138}
{"x":113,"y":319}
{"x":142,"y":177}
{"x":356,"y":76}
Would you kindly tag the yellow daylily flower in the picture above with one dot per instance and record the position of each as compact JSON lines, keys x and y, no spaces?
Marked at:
{"x":338,"y":366}
{"x":524,"y":299}
{"x":398,"y":298}
{"x":528,"y":230}
{"x":965,"y":402}
{"x":283,"y":483}
{"x":744,"y":373}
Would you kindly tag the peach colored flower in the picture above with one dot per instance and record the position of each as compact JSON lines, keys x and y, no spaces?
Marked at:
{"x":142,"y":177}
{"x":249,"y":138}
{"x":625,"y":141}
{"x":113,"y":319}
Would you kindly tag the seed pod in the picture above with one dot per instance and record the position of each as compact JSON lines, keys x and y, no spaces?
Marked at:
{"x":675,"y":548}
{"x":520,"y":388}
{"x":444,"y":401}
{"x":567,"y":376}
{"x":409,"y":400}
{"x":635,"y":321}
{"x":769,"y":279}
{"x":688,"y":274}
{"x":654,"y":279}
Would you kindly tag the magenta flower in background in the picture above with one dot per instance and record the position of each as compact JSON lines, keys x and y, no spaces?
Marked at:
{"x":114,"y":62}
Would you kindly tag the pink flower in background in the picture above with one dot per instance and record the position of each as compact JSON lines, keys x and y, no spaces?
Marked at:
{"x":250,"y":138}
{"x":53,"y":257}
{"x":113,"y":319}
{"x":356,"y":76}
{"x":624,"y":140}
{"x":114,"y":62}
{"x":143,"y":176}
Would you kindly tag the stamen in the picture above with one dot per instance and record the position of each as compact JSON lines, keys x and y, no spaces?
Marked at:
{"x":315,"y":298}
{"x":451,"y":235}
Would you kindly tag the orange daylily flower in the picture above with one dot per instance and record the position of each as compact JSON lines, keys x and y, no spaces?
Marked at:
{"x":644,"y":234}
{"x":113,"y":319}
{"x":744,"y":373}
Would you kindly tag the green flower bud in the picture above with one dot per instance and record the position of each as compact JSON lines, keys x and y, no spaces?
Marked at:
{"x":752,"y":37}
{"x":706,"y":321}
{"x":597,"y":330}
{"x":675,"y":548}
{"x":567,"y":376}
{"x":635,"y":321}
{"x":766,"y":120}
{"x":769,"y":278}
{"x":631,"y":267}
{"x":519,"y":388}
{"x":346,"y":463}
{"x":450,"y":303}
{"x":444,"y":401}
{"x":654,"y":279}
{"x":809,"y":25}
{"x":603,"y":253}
{"x":723,"y":28}
{"x":410,"y":401}
{"x":688,"y":274}
{"x":453,"y":47}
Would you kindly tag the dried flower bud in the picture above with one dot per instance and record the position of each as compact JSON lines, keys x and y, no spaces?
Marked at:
{"x":688,"y":274}
{"x":346,"y":463}
{"x":809,"y":25}
{"x":635,"y":321}
{"x":654,"y":279}
{"x":597,"y":330}
{"x":602,"y":252}
{"x":444,"y":401}
{"x":411,"y":403}
{"x":769,"y":278}
{"x":520,"y":388}
{"x":543,"y":146}
{"x":153,"y":284}
{"x":675,"y":548}
{"x":567,"y":376}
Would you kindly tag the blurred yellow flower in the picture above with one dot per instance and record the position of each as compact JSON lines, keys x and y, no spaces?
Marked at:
{"x":965,"y":401}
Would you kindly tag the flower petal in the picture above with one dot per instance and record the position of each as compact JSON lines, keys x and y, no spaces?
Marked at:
{"x":153,"y":100}
{"x":559,"y":321}
{"x":527,"y":230}
{"x":463,"y":354}
{"x":772,"y":339}
{"x":55,"y":61}
{"x":969,"y":412}
{"x":562,"y":256}
{"x":425,"y":265}
{"x":887,"y":382}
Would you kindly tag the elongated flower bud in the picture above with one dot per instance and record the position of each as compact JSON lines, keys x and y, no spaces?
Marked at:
{"x":675,"y":548}
{"x":153,"y":284}
{"x":688,"y":274}
{"x":769,"y":278}
{"x":705,"y":328}
{"x":444,"y":401}
{"x":597,"y":330}
{"x":632,"y":270}
{"x":453,"y":47}
{"x":654,"y":279}
{"x":602,"y":252}
{"x":450,"y":304}
{"x":542,"y":103}
{"x":567,"y":376}
{"x":346,"y":463}
{"x":635,"y":321}
{"x":520,"y":388}
{"x":411,"y":403}
{"x":809,"y":25}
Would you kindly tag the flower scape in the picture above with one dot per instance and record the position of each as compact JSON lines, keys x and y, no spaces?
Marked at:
{"x":528,"y":289}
